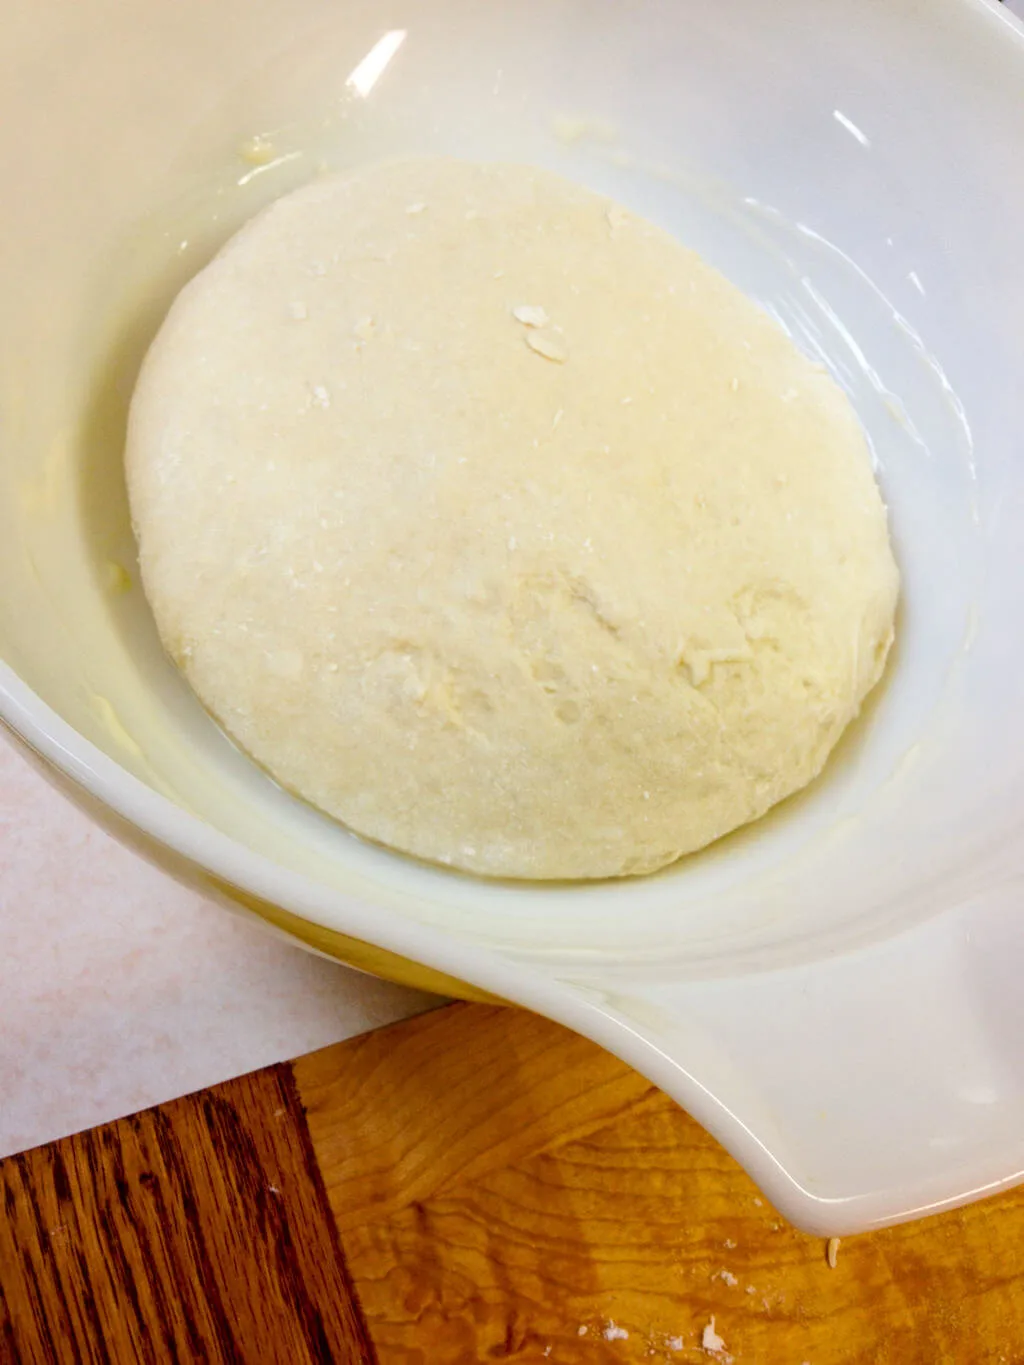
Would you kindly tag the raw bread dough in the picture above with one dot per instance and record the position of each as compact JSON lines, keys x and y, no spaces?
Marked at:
{"x":494,"y":522}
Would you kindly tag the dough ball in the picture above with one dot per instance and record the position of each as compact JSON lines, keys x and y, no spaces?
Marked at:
{"x":491,"y":520}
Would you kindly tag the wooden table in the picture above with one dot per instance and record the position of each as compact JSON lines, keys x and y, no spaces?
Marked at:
{"x":476,"y":1185}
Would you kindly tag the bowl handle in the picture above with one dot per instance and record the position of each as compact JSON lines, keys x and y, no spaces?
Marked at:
{"x":859,"y":1091}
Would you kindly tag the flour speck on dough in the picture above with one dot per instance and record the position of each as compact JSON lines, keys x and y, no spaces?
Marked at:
{"x":548,"y":344}
{"x":531,"y":315}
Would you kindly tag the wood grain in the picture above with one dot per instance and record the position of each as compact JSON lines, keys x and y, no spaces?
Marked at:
{"x":504,"y":1192}
{"x":507,"y":1192}
{"x":196,"y":1231}
{"x":402,"y":1114}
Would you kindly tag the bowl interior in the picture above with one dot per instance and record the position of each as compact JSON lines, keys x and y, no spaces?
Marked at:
{"x":854,"y":168}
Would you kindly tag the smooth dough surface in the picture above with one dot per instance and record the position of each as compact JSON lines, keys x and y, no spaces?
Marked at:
{"x":491,"y":520}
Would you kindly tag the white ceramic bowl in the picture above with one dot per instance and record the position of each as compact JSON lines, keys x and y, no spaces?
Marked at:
{"x":834,"y":992}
